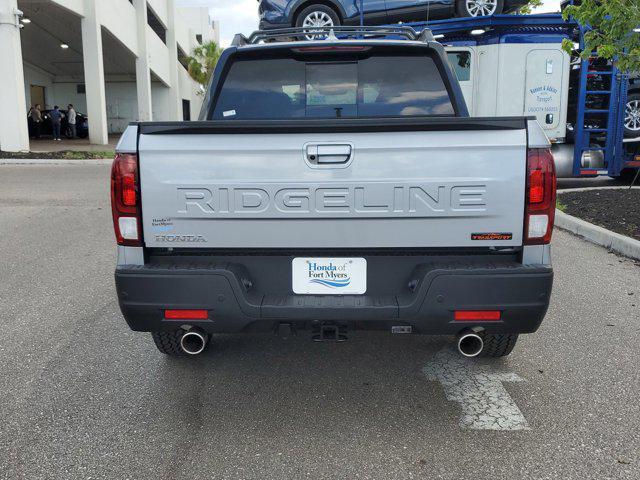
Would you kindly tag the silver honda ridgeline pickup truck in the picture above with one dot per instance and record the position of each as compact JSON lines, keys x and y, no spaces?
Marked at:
{"x":332,"y":185}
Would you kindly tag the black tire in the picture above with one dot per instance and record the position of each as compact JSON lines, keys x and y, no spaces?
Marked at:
{"x":462,"y":9}
{"x":496,"y":346}
{"x":628,"y":175}
{"x":633,"y":101}
{"x":169,"y":342}
{"x":300,"y":17}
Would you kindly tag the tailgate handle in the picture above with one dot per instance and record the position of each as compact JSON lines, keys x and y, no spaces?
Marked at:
{"x":320,"y":154}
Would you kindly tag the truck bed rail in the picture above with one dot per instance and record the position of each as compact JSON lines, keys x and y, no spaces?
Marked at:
{"x":332,"y":125}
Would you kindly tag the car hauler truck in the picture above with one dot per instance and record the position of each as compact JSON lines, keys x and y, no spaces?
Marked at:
{"x":515,"y":65}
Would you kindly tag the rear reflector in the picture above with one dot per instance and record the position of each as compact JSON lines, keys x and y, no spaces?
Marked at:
{"x":477,"y":315}
{"x":186,"y":314}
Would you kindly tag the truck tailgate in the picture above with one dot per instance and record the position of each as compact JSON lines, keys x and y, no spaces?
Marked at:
{"x":442,"y":187}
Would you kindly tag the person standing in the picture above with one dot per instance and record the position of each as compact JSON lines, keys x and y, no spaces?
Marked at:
{"x":56,"y":121}
{"x":36,"y":119}
{"x":71,"y":120}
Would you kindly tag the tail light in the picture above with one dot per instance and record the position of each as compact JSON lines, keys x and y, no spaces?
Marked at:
{"x":540,"y":205}
{"x":125,"y":200}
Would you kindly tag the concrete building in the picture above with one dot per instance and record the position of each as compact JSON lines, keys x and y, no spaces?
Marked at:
{"x":116,"y":61}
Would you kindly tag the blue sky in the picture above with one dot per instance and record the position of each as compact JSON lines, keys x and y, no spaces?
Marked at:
{"x":241,"y":16}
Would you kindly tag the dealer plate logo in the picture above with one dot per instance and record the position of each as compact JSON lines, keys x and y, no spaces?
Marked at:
{"x":329,"y":276}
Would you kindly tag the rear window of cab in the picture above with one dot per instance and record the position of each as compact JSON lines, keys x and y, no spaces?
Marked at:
{"x":333,"y":86}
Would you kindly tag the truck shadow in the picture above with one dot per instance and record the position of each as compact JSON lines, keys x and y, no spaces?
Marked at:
{"x":270,"y":393}
{"x":275,"y":396}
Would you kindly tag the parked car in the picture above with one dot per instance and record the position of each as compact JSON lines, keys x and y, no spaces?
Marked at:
{"x":302,"y":13}
{"x":82,"y":125}
{"x":326,"y":190}
{"x":632,"y":112}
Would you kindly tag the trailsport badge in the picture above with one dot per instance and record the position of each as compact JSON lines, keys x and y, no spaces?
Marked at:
{"x":492,"y":236}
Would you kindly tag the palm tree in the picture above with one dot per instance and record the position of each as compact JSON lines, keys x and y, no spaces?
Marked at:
{"x":203,"y":62}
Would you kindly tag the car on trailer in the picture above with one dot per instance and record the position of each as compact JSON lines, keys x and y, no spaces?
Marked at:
{"x":276,"y":14}
{"x":632,"y":108}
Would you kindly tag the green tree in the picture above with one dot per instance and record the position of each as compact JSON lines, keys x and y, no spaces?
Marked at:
{"x":528,"y":8}
{"x":202,"y":62}
{"x":613,"y":30}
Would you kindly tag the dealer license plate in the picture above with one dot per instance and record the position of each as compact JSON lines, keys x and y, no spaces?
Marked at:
{"x":329,"y":276}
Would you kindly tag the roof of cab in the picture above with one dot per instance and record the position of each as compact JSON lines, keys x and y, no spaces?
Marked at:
{"x":322,"y":34}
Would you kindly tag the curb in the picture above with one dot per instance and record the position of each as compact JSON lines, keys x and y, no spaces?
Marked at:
{"x":44,"y":161}
{"x":590,"y":189}
{"x":615,"y":242}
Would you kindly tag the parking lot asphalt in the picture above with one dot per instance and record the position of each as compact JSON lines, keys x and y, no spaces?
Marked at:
{"x":82,"y":397}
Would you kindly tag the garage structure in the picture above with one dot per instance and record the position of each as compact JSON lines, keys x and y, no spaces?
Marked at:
{"x":117,"y":61}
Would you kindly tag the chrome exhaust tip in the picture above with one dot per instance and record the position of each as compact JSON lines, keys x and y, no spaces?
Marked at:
{"x":470,"y":344}
{"x":193,"y":342}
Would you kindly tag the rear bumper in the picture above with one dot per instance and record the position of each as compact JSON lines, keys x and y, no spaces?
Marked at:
{"x":432,"y":294}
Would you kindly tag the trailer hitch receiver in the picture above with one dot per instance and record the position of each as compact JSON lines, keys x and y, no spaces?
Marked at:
{"x":329,"y":333}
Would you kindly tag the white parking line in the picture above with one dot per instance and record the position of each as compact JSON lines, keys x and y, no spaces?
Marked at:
{"x":486,"y":404}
